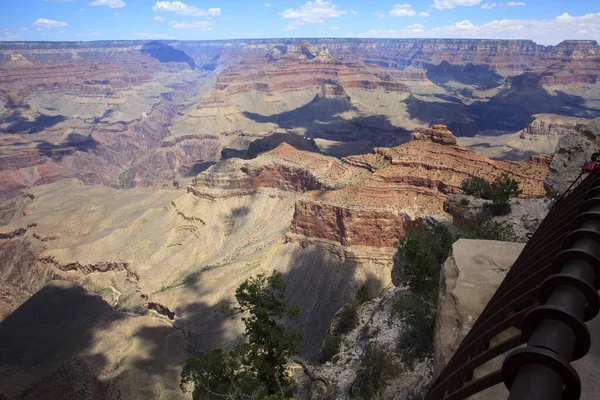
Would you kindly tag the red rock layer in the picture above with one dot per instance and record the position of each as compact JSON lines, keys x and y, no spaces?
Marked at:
{"x":296,"y":69}
{"x":369,"y":199}
{"x":408,"y":182}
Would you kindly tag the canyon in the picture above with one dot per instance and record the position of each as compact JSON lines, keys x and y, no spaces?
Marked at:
{"x":141,"y":182}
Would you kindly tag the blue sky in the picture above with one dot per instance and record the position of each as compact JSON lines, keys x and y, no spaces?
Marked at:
{"x":544,"y":21}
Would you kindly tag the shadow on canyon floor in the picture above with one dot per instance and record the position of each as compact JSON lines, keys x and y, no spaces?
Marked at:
{"x":165,"y":53}
{"x":74,"y":142}
{"x":57,"y":323}
{"x":509,"y":154}
{"x":511,"y":108}
{"x":479,"y":76}
{"x":322,"y":118}
{"x":19,"y":124}
{"x":197,"y":168}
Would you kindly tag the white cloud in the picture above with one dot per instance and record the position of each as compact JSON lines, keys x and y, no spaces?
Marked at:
{"x":424,"y":14}
{"x":465,"y":25}
{"x":312,"y":12}
{"x":489,"y":6}
{"x":159,"y":18}
{"x":335,"y":28}
{"x":200,"y":25}
{"x":108,"y":3}
{"x":90,"y":34}
{"x":552,"y":31}
{"x":416,"y":27}
{"x":353,"y":12}
{"x":180,"y":8}
{"x":565,"y":17}
{"x":449,"y":4}
{"x":48,"y":23}
{"x":402,"y":10}
{"x":267,"y":5}
{"x":8,"y":35}
{"x":147,"y":35}
{"x":379,"y":15}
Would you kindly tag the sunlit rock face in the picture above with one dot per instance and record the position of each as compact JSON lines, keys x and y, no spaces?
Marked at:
{"x":572,"y":151}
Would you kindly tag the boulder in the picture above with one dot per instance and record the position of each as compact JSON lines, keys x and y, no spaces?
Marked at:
{"x":465,"y":210}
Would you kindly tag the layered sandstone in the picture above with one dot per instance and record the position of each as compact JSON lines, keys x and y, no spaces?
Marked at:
{"x":436,"y":134}
{"x":202,"y":97}
{"x":406,"y":183}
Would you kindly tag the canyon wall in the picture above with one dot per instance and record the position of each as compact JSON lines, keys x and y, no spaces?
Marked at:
{"x":139,"y":113}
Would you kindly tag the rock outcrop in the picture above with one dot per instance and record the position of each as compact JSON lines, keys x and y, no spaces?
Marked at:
{"x":406,"y":183}
{"x":571,"y":153}
{"x":468,"y":280}
{"x":376,"y":327}
{"x":436,"y":134}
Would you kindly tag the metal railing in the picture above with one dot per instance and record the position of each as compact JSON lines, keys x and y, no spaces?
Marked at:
{"x":548,"y":295}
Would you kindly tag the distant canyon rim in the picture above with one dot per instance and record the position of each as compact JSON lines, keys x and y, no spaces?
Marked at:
{"x":143,"y":181}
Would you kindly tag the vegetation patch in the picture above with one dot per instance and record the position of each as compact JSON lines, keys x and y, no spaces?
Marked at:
{"x":492,"y":230}
{"x":331,"y":347}
{"x":377,"y":368}
{"x":255,"y":369}
{"x":422,"y":250}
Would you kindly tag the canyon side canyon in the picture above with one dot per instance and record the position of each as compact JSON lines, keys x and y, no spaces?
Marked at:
{"x":141,"y":182}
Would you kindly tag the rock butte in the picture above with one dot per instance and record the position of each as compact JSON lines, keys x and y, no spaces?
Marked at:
{"x":369,"y":199}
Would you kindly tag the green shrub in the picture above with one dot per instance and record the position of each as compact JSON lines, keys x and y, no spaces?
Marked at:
{"x":496,"y":209}
{"x":422,"y":252}
{"x":464,"y":201}
{"x":418,"y":312}
{"x":492,"y":230}
{"x":475,"y":186}
{"x":500,"y":192}
{"x":377,"y":367}
{"x":362,"y":294}
{"x":256,"y":368}
{"x":348,"y":319}
{"x":331,"y":347}
{"x":505,"y":187}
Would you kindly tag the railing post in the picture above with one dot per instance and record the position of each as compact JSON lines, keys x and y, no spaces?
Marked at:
{"x":556,"y":329}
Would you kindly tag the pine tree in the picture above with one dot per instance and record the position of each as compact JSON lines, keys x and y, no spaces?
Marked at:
{"x":256,"y":368}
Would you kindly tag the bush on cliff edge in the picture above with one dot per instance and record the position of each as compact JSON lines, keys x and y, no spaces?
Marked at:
{"x":422,"y":251}
{"x":499,"y":192}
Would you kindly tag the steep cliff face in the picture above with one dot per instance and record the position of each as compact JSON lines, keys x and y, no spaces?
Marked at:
{"x":572,"y":152}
